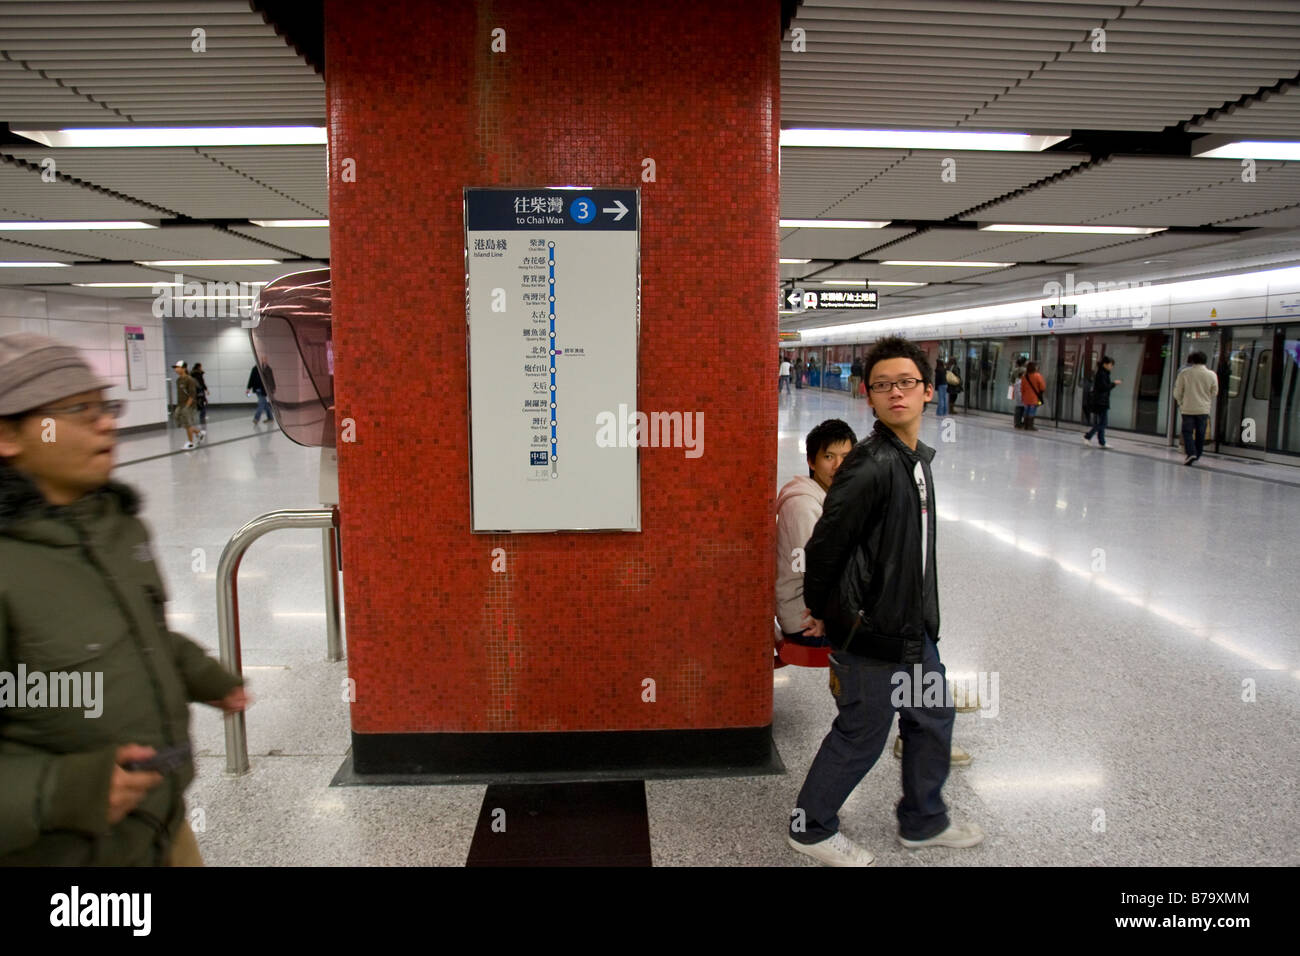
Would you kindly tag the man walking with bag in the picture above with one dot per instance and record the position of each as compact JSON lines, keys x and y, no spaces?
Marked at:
{"x":872,"y":589}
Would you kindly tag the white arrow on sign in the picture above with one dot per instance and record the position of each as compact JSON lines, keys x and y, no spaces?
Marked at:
{"x":795,"y":298}
{"x":619,"y":208}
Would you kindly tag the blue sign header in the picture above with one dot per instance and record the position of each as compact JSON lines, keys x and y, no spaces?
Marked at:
{"x":542,"y":208}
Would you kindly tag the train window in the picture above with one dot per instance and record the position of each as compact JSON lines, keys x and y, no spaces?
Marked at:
{"x":1238,"y":366}
{"x":1263,"y":375}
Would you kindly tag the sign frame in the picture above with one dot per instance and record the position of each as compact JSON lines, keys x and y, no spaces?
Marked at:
{"x":570,"y":192}
{"x":137,"y":358}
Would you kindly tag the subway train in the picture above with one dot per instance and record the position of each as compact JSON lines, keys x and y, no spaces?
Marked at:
{"x":1248,"y":326}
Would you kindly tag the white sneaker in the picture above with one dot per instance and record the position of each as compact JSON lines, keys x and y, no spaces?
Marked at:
{"x":203,"y":435}
{"x":956,"y":758}
{"x":838,"y":850}
{"x":1087,"y":439}
{"x":959,"y":835}
{"x":188,"y":445}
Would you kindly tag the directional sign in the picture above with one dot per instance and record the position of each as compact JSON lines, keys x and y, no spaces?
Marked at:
{"x":841,"y":299}
{"x":554,"y":277}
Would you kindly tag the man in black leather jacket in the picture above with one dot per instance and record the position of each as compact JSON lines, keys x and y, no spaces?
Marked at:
{"x":871,"y":585}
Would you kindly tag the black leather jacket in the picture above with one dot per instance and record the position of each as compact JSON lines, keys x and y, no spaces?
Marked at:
{"x":863,"y":562}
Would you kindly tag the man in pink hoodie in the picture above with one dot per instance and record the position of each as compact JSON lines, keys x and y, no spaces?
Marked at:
{"x":798,"y":506}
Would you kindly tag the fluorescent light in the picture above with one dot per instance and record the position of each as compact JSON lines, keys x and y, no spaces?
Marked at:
{"x":31,"y":226}
{"x":291,"y":223}
{"x":137,"y":136}
{"x":795,"y":262}
{"x":1251,"y":149}
{"x":914,"y":139}
{"x":953,"y":265}
{"x":34,"y":265}
{"x":862,"y":282}
{"x":833,"y":224}
{"x":208,"y":262}
{"x":1086,"y":230}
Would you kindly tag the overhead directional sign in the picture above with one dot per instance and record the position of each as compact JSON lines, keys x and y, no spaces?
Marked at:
{"x":802,"y":300}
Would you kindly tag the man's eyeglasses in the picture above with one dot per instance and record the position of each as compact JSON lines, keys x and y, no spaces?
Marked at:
{"x":904,"y":384}
{"x":88,"y":412}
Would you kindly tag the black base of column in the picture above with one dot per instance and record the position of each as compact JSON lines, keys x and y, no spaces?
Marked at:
{"x":559,"y":756}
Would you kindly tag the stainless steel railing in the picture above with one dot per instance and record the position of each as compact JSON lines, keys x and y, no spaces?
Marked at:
{"x":228,"y":604}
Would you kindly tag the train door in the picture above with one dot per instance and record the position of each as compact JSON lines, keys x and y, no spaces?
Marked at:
{"x":1249,"y":376}
{"x":994,"y":393}
{"x":1075,"y":380}
{"x":1049,"y":357}
{"x":1288,"y":399}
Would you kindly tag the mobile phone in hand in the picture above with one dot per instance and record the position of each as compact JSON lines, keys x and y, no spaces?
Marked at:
{"x":167,"y":760}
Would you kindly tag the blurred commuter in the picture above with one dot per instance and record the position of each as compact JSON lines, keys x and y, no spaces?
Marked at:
{"x":1195,"y":390}
{"x":798,"y":506}
{"x":82,"y":609}
{"x":783,"y":377}
{"x":798,"y":372}
{"x":1033,"y":389}
{"x":1017,"y":374}
{"x":196,"y":373}
{"x":855,"y":377}
{"x":941,"y":387}
{"x":872,"y":590}
{"x":186,"y":413}
{"x":953,"y":377}
{"x":1101,"y":386}
{"x":255,"y":387}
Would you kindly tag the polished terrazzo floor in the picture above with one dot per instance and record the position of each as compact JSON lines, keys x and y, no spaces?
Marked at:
{"x":1141,"y":618}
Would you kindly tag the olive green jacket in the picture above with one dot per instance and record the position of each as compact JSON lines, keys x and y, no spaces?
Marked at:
{"x":80,"y":595}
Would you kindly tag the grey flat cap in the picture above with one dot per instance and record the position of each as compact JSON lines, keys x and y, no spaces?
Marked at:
{"x":36,"y":370}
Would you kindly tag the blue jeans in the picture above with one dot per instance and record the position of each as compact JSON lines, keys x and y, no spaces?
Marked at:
{"x":943,"y":400}
{"x":1194,"y":434}
{"x":262,"y":406}
{"x":866,"y":691}
{"x":1099,"y":425}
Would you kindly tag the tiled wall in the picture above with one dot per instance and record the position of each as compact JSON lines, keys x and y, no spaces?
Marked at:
{"x":96,"y":326}
{"x":223,"y":346}
{"x":564,"y":639}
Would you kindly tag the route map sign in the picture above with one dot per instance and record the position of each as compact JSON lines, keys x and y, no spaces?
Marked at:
{"x":553,"y":310}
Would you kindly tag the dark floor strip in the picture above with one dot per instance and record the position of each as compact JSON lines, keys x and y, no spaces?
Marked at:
{"x":562,"y":824}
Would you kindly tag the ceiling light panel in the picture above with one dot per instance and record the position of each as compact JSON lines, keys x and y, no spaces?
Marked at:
{"x":836,"y":243}
{"x":914,"y":187}
{"x":1028,"y":66}
{"x":181,"y":181}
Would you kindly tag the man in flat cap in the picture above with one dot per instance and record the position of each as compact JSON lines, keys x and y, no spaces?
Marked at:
{"x":94,"y":688}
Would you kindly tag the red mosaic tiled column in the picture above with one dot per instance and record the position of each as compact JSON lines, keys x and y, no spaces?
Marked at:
{"x":562,"y":641}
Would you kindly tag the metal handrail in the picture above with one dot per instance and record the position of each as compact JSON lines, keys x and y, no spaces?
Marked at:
{"x":228,"y":604}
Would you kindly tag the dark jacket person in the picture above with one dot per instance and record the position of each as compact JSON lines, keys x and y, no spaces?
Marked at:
{"x":872,"y":588}
{"x":82,"y":619}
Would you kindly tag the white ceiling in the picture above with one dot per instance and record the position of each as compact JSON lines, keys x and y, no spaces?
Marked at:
{"x":1170,"y":70}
